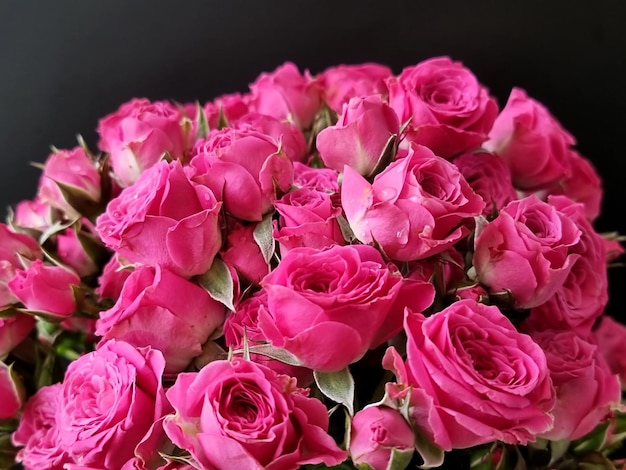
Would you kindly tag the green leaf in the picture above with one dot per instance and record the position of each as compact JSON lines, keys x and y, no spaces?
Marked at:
{"x":338,"y":386}
{"x":218,"y":282}
{"x":263,"y":237}
{"x":386,"y":157}
{"x":274,"y":353}
{"x":346,"y":230}
{"x":203,"y":124}
{"x":400,"y":459}
{"x":592,"y":442}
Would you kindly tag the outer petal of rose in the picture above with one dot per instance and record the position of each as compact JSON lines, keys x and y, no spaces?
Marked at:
{"x":193,"y":242}
{"x":276,"y":173}
{"x":336,"y":346}
{"x":357,"y":196}
{"x":220,"y":452}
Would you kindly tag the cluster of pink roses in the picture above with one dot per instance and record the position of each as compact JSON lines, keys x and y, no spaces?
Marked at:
{"x":200,"y":293}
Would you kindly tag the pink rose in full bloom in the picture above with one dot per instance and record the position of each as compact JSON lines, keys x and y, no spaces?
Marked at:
{"x":14,"y":247}
{"x":415,"y":208}
{"x":320,"y":179}
{"x":533,"y":143}
{"x":474,"y":379}
{"x":246,"y":169}
{"x":586,"y":389}
{"x":343,"y":82}
{"x":377,"y":431}
{"x":581,"y":184}
{"x":450,"y":111}
{"x":610,"y":337}
{"x":13,"y":330}
{"x":160,"y":309}
{"x":72,"y":171}
{"x":38,"y":433}
{"x":164,"y":219}
{"x":238,"y":414}
{"x":581,"y":299}
{"x":140,"y":133}
{"x":11,"y":392}
{"x":526,"y":251}
{"x":243,"y":253}
{"x":109,"y":400}
{"x":328,"y":307}
{"x":307,"y":218}
{"x":46,"y":289}
{"x":286,"y":94}
{"x":490,"y":177}
{"x":244,"y":323}
{"x":360,"y":136}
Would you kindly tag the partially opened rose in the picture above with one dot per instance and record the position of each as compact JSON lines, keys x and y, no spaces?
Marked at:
{"x":526,"y":251}
{"x":586,"y":390}
{"x":238,"y":414}
{"x":474,"y":379}
{"x":140,"y":133}
{"x":328,"y":307}
{"x":418,"y":206}
{"x":164,"y":219}
{"x":159,"y":309}
{"x":533,"y":143}
{"x":15,"y":248}
{"x":109,"y":400}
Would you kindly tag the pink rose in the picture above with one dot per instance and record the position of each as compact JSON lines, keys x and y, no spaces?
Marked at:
{"x":44,"y":289}
{"x":38,"y":432}
{"x":415,"y":208}
{"x":377,"y":431}
{"x":244,"y":322}
{"x":70,"y":177}
{"x":160,"y":309}
{"x":328,"y":307}
{"x":582,"y":184}
{"x":610,"y":337}
{"x":243,"y":253}
{"x":37,"y":215}
{"x":140,"y":133}
{"x":450,"y":111}
{"x":112,"y":279}
{"x":533,"y":143}
{"x":307,"y":218}
{"x":286,"y":135}
{"x":13,"y":330}
{"x":490,"y":177}
{"x":72,"y":253}
{"x":238,"y":414}
{"x":319,"y":179}
{"x":228,"y":108}
{"x":164,"y":219}
{"x":474,"y":378}
{"x":526,"y":251}
{"x":14,"y":247}
{"x":586,"y":389}
{"x":348,"y":81}
{"x":584,"y":293}
{"x":287,"y":95}
{"x":109,"y":400}
{"x":11,"y":392}
{"x":244,"y":168}
{"x":360,"y":136}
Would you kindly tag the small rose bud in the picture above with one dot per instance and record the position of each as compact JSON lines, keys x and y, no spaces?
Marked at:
{"x":380,"y":434}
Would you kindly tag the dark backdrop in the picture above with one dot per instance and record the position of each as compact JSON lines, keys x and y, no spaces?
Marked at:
{"x":64,"y":64}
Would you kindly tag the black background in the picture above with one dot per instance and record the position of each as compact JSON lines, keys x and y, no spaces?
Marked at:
{"x":65,"y":64}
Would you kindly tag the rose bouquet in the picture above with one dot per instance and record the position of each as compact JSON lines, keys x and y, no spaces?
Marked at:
{"x":350,"y":270}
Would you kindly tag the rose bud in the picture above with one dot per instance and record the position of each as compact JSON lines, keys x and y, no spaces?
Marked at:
{"x":360,"y":137}
{"x":379,"y":436}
